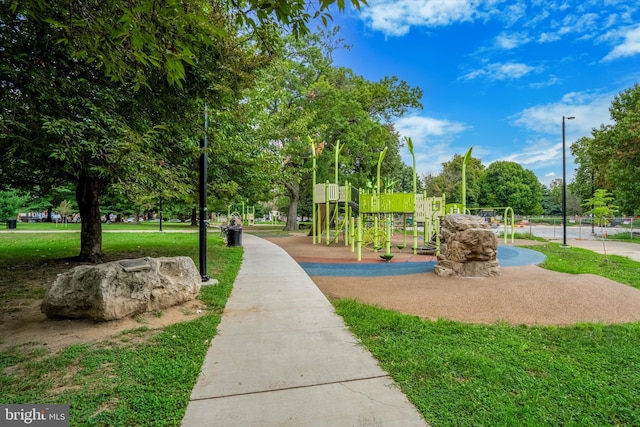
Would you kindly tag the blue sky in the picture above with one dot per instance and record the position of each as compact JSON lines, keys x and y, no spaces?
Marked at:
{"x":498,"y":75}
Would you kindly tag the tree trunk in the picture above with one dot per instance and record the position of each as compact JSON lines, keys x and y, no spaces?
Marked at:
{"x":88,"y":197}
{"x":293,"y":191}
{"x":194,"y":217}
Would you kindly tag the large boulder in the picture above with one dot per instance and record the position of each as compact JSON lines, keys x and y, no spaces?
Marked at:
{"x":118,"y":289}
{"x":468,"y":248}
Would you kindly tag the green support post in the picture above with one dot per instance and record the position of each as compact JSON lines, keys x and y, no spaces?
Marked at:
{"x":506,"y":215}
{"x":313,"y":188}
{"x":388,"y":239}
{"x":426,"y":227}
{"x":352,"y":228}
{"x":404,"y":230}
{"x":464,"y":178}
{"x":327,"y":209}
{"x":359,"y":239}
{"x":347,"y":213}
{"x":376,"y":233}
{"x":415,"y":191}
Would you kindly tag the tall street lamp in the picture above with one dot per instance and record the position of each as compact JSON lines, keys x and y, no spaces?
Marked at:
{"x":564,"y":184}
{"x":203,"y":201}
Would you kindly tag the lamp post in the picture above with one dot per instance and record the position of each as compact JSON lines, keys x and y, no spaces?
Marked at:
{"x":160,"y":163}
{"x":203,"y":201}
{"x":592,"y":194}
{"x":564,"y":184}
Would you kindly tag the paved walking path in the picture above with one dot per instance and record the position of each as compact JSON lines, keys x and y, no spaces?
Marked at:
{"x":282,"y":357}
{"x":613,"y":247}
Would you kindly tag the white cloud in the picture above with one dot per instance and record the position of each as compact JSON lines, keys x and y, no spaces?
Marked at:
{"x":552,"y":80}
{"x":548,"y":38}
{"x":510,"y":41}
{"x":396,"y":17}
{"x":583,"y":23}
{"x":502,"y":71}
{"x":419,"y":127}
{"x":514,"y":12}
{"x":611,"y":20}
{"x":429,"y":160}
{"x":544,"y":157}
{"x":538,"y":152}
{"x":534,"y":20}
{"x":431,"y":139}
{"x":629,"y":47}
{"x":589,"y":109}
{"x":543,"y":122}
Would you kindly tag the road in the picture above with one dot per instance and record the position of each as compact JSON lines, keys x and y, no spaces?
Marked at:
{"x":554,"y":232}
{"x":581,"y":237}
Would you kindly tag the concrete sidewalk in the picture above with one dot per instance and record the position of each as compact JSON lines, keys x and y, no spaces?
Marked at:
{"x":613,"y":247}
{"x":282,"y":357}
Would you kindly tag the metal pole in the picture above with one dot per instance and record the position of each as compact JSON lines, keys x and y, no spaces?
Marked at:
{"x":203,"y":201}
{"x":564,"y":185}
{"x":592,"y":194}
{"x":564,"y":189}
{"x":160,"y":212}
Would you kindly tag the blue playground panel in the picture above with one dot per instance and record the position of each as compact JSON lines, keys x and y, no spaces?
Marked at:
{"x":508,"y":256}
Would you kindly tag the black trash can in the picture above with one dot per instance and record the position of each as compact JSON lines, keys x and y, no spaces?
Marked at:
{"x":11,"y":224}
{"x":234,"y":235}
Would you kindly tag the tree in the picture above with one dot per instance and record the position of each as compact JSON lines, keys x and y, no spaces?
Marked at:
{"x":125,"y":43}
{"x":601,"y":209}
{"x":64,"y":210}
{"x":67,"y":119}
{"x":10,"y":202}
{"x":552,"y":204}
{"x":610,"y":158}
{"x":449,"y":181}
{"x":303,"y":95}
{"x":509,"y":184}
{"x":99,"y":93}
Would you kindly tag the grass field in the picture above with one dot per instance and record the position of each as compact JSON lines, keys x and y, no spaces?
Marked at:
{"x":500,"y":375}
{"x":139,"y":377}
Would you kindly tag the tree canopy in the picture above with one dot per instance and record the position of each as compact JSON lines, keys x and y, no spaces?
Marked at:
{"x":609,"y":159}
{"x":449,"y":181}
{"x":302,"y":96}
{"x":509,"y":184}
{"x":107,"y":93}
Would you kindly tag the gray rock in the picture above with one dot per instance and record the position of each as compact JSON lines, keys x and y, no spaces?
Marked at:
{"x":468,"y":248}
{"x":118,"y":289}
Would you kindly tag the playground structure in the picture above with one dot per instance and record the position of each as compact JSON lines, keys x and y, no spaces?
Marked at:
{"x":368,"y":219}
{"x":494,"y":215}
{"x":238,"y":212}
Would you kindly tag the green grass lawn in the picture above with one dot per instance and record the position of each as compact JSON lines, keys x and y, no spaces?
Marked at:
{"x":501,"y":375}
{"x":627,"y":236}
{"x":582,"y":261}
{"x":139,"y":377}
